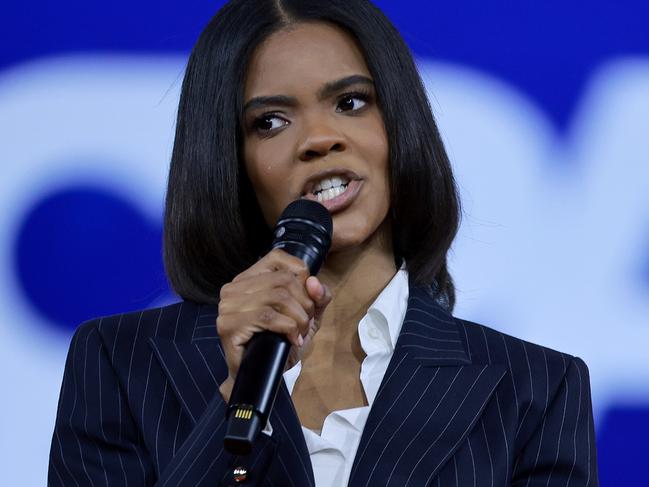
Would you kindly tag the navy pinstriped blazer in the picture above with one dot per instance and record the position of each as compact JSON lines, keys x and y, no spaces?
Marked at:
{"x":460,"y":405}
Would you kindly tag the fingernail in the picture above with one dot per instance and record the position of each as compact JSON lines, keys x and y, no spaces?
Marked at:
{"x":300,"y":340}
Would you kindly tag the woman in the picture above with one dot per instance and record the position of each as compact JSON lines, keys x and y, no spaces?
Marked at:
{"x":281,"y":100}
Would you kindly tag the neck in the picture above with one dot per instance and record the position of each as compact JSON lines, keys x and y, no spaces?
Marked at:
{"x":356,"y":277}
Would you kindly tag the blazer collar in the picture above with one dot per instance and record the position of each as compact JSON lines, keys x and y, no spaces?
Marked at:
{"x":429,"y":334}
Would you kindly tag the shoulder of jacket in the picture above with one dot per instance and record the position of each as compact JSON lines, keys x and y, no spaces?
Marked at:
{"x":167,"y":321}
{"x":487,"y":345}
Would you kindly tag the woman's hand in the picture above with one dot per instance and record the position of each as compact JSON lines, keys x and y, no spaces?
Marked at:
{"x":275,"y":294}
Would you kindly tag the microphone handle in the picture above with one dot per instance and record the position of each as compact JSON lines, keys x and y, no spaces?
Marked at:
{"x":304,"y":230}
{"x":254,"y":391}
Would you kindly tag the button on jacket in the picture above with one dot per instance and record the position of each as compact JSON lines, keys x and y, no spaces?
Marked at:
{"x":460,"y":404}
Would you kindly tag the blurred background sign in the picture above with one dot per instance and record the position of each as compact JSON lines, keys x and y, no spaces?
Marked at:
{"x":544,"y":108}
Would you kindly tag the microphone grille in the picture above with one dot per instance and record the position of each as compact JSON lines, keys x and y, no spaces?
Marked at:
{"x":309,"y":210}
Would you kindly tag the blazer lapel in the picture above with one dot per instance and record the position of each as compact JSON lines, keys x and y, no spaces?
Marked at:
{"x":193,"y":363}
{"x":429,"y":400}
{"x":195,"y":366}
{"x":293,"y":464}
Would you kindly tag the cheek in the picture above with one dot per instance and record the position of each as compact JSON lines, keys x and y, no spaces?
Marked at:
{"x":375,"y":143}
{"x":268,"y":179}
{"x":377,"y":154}
{"x":253,"y":165}
{"x":258,"y":173}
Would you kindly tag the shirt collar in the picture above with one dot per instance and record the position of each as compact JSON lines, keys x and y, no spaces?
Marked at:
{"x":389,"y":308}
{"x":391,"y":304}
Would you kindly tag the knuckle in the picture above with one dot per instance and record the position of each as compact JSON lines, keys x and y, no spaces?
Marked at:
{"x":224,"y":291}
{"x":222,"y":308}
{"x":285,"y":277}
{"x":220,"y":325}
{"x":303,"y":270}
{"x":274,"y":257}
{"x":286,"y":260}
{"x":304,"y":321}
{"x":266,"y":315}
{"x":278,"y":253}
{"x":300,"y":270}
{"x":281,"y":294}
{"x":292,"y":326}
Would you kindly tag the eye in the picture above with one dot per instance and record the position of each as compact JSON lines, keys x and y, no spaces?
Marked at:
{"x":268,"y":122}
{"x":352,"y":102}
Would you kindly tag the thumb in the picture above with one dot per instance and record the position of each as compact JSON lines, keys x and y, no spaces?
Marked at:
{"x":320,"y":293}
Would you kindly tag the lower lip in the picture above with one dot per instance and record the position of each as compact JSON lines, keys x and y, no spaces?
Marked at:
{"x":343,"y":200}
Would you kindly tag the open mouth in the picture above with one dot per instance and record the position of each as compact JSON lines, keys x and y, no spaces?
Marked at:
{"x":330,"y":193}
{"x":337,"y":198}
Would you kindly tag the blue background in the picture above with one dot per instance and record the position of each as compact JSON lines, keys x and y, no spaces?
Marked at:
{"x":80,"y":231}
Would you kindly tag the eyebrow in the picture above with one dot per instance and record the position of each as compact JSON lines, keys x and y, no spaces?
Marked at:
{"x":327,"y":90}
{"x":332,"y":87}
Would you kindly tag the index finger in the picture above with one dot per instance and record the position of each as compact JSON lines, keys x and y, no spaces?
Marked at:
{"x":276,"y":259}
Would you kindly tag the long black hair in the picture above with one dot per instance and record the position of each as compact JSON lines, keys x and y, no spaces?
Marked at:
{"x":213,"y":226}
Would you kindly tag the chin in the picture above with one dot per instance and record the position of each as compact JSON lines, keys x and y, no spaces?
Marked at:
{"x":354,"y":235}
{"x":342,"y":245}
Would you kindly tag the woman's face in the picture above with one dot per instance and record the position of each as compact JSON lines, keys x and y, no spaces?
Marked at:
{"x":311,"y":120}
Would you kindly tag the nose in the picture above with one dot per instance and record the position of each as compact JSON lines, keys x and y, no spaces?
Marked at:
{"x":320,"y":138}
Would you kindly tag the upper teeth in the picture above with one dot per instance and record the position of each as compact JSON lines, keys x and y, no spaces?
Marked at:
{"x":328,"y":183}
{"x":329,"y":188}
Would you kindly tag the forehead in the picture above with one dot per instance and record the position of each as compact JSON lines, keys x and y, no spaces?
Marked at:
{"x":305,"y":55}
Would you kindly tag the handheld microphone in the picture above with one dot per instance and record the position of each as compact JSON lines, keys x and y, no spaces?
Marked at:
{"x":304,"y":230}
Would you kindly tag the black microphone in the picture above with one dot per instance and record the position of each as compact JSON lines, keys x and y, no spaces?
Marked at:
{"x":304,"y":230}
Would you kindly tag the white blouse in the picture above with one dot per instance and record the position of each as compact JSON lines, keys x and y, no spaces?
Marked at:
{"x":332,"y":451}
